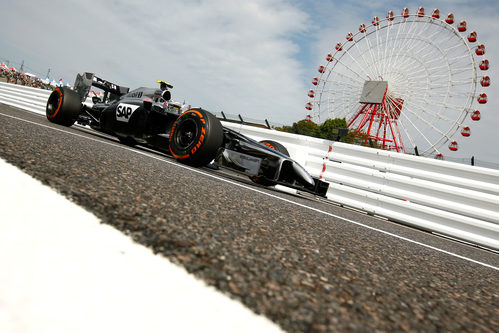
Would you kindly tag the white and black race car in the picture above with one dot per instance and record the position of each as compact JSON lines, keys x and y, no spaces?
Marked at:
{"x":146,"y":116}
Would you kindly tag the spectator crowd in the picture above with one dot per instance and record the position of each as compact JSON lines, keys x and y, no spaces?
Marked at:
{"x":11,"y":75}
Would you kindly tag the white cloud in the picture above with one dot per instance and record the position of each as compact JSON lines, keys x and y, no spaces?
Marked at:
{"x":235,"y":56}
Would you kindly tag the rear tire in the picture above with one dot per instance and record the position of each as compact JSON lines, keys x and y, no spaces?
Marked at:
{"x":63,"y":106}
{"x":196,"y":137}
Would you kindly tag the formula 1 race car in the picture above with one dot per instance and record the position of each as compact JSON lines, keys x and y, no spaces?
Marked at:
{"x":147,"y":116}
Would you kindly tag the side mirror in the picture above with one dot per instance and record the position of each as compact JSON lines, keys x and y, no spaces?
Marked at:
{"x":167,"y":95}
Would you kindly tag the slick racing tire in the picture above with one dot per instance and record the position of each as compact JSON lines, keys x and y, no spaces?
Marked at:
{"x":63,"y":106}
{"x":195,"y":137}
{"x":276,"y":146}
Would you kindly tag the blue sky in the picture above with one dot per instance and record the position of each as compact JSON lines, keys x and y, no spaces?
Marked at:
{"x":254,"y":58}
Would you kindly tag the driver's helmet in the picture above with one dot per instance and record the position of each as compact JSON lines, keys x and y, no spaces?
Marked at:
{"x":164,"y":85}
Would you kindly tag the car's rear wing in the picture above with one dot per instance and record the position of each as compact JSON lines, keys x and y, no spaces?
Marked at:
{"x":85,"y":81}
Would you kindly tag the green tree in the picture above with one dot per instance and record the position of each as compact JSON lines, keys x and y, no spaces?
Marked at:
{"x":303,"y":127}
{"x":330,"y":128}
{"x":360,"y":139}
{"x":308,"y":128}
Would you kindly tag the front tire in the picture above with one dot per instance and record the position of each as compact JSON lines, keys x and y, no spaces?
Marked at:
{"x":277,"y":147}
{"x":196,"y":137}
{"x":63,"y":106}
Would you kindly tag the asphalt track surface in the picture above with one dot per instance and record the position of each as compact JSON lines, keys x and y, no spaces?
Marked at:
{"x":305,"y":263}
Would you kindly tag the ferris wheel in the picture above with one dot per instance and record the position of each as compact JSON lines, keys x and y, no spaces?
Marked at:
{"x":410,"y":82}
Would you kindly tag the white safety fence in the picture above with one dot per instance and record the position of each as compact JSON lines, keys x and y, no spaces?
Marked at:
{"x":456,"y":200}
{"x":27,"y":98}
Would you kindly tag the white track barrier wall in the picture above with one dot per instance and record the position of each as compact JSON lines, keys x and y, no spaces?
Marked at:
{"x":452,"y":199}
{"x":27,"y":98}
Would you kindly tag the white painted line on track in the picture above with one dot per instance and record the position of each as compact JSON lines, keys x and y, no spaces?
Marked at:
{"x":64,"y":271}
{"x":265,"y":193}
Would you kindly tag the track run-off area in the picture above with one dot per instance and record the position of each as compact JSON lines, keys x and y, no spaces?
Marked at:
{"x":302,"y":262}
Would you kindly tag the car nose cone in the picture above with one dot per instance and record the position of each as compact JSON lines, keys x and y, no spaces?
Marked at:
{"x":302,"y":174}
